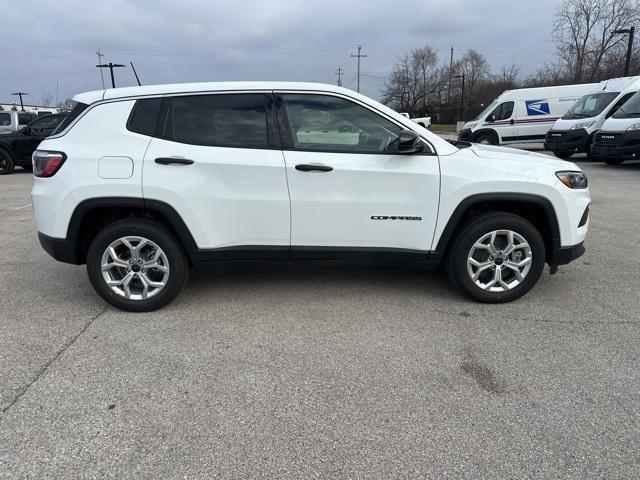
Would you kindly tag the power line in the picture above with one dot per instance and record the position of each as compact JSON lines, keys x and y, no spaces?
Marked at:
{"x":20,"y":94}
{"x":358,"y":56}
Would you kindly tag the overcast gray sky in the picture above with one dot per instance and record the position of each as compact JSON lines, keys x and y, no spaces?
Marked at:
{"x":46,"y":41}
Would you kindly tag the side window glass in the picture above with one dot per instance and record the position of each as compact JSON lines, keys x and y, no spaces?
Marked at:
{"x":332,"y":124}
{"x":502,"y":111}
{"x":219,"y":120}
{"x":144,"y":116}
{"x":619,"y":103}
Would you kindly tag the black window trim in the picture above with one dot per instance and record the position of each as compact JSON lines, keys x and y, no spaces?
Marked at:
{"x":273,"y":92}
{"x":283,"y":124}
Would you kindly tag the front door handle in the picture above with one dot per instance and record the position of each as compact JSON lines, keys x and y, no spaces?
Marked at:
{"x":177,"y":161}
{"x":307,"y":167}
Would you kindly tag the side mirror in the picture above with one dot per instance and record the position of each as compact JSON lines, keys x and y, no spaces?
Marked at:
{"x":408,"y":142}
{"x":25,"y":130}
{"x":491,"y":118}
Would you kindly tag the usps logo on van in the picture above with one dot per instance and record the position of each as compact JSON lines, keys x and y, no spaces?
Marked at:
{"x":537,"y":107}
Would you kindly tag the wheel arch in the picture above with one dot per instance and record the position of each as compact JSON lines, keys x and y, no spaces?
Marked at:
{"x":535,"y":208}
{"x":91,"y":215}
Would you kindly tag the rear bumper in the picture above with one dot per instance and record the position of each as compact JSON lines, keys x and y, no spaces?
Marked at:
{"x":61,"y":249}
{"x":575,"y":141}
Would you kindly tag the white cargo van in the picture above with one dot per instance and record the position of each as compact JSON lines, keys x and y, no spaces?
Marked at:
{"x":619,"y":137}
{"x":574,"y":132}
{"x":524,"y":115}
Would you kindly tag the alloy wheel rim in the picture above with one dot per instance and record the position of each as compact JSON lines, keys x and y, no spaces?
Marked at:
{"x":499,"y":261}
{"x":135,"y":268}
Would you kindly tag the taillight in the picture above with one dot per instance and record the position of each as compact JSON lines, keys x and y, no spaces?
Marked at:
{"x":46,"y":163}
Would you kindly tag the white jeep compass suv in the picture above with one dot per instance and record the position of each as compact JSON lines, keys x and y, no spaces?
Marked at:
{"x":143,"y":183}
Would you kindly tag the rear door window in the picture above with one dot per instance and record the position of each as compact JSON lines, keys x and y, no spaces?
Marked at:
{"x":219,"y":120}
{"x":5,"y":119}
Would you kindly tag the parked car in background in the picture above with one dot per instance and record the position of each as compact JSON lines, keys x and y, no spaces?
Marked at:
{"x":524,"y":115}
{"x":619,"y":138}
{"x":141,"y":183}
{"x":12,"y":120}
{"x":574,"y":131}
{"x":422,"y":121}
{"x":16,"y":148}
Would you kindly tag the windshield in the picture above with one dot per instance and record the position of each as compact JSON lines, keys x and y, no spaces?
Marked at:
{"x":630,"y":109}
{"x":590,"y":105}
{"x":487,"y":110}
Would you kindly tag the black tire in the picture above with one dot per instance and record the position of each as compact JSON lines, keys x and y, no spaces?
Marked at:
{"x":6,"y":162}
{"x":177,"y":262}
{"x":487,"y":139}
{"x":470,"y":233}
{"x":612,"y":161}
{"x":563,"y":155}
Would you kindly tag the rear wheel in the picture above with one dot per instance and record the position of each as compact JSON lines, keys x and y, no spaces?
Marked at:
{"x":496,"y":258}
{"x":6,"y":163}
{"x":136,"y":265}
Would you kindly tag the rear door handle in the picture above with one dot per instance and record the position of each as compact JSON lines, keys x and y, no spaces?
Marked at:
{"x":177,"y":161}
{"x":306,"y":167}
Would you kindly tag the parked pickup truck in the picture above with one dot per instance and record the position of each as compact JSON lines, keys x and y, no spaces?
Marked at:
{"x":16,"y":148}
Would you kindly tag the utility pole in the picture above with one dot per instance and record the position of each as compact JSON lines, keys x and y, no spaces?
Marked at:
{"x":631,"y":31}
{"x":100,"y":55}
{"x":461,"y":96}
{"x":358,"y":56}
{"x":339,"y":75}
{"x":20,"y":94}
{"x":450,"y":74}
{"x":111,"y":66}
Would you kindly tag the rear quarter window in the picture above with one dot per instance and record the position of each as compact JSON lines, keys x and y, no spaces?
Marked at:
{"x":77,"y":110}
{"x":144,"y":116}
{"x":5,"y":119}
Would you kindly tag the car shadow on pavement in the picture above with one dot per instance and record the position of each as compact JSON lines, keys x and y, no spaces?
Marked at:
{"x":318,"y":278}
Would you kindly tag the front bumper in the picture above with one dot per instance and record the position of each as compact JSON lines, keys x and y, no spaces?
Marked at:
{"x":466,"y":135}
{"x":565,"y":255}
{"x":617,"y":144}
{"x":574,"y":141}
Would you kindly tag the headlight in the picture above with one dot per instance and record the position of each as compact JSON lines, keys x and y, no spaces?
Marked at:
{"x":585,"y":125}
{"x":573,"y":179}
{"x":635,"y":126}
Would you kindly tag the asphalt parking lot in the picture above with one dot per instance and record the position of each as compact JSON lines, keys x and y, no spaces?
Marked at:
{"x":325,"y":372}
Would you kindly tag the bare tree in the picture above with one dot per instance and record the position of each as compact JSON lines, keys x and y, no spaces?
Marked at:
{"x":412,"y":82}
{"x":46,"y":99}
{"x":583,"y":32}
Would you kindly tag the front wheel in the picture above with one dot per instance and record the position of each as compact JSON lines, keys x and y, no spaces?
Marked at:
{"x":136,"y":265}
{"x":487,"y":139}
{"x":496,"y":258}
{"x":6,"y":163}
{"x":612,"y":161}
{"x":563,"y":155}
